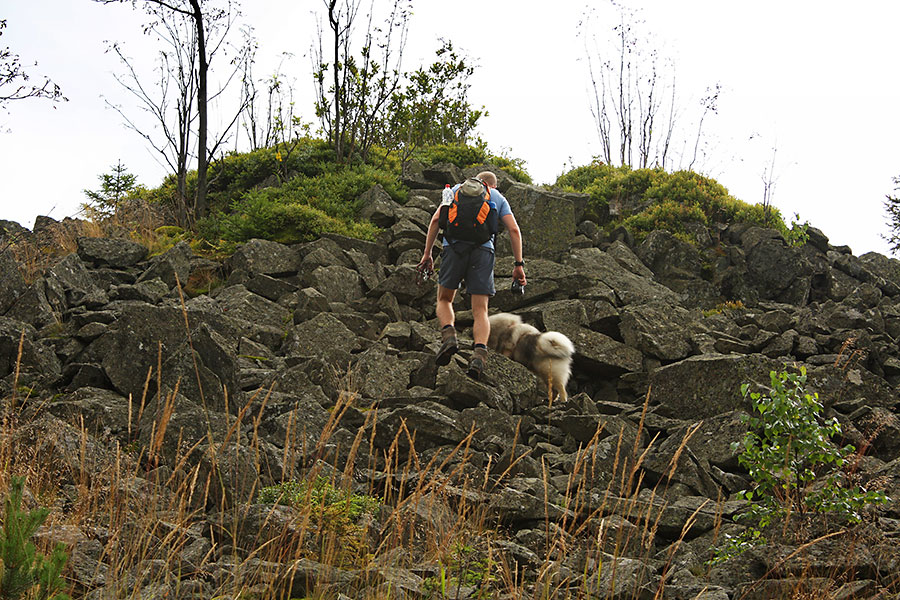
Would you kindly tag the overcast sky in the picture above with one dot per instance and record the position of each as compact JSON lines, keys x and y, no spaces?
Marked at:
{"x":816,"y":80}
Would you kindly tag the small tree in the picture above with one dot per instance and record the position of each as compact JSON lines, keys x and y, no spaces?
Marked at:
{"x":21,"y":567}
{"x":191,"y":36}
{"x":892,"y":207}
{"x":637,"y":113}
{"x":433,"y":107}
{"x":352,"y":92}
{"x":114,"y":189}
{"x":794,"y":465}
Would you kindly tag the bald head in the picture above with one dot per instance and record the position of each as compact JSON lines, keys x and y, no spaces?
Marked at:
{"x":489,"y":178}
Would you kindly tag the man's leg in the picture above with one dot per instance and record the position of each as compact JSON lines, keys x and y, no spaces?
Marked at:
{"x":445,"y":315}
{"x":481,"y":331}
{"x":481,"y":328}
{"x":444,"y":308}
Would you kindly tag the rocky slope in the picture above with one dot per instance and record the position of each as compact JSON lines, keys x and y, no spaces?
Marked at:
{"x":318,"y":357}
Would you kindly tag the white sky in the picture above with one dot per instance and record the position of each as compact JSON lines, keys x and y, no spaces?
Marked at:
{"x":817,"y":80}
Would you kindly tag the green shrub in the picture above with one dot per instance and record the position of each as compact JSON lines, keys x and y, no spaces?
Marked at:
{"x":258,"y":216}
{"x":338,"y":516}
{"x":610,"y":186}
{"x":464,"y":156}
{"x":667,"y":214}
{"x":237,"y":173}
{"x":21,"y":567}
{"x":662,"y":200}
{"x":461,"y":155}
{"x":792,"y":462}
{"x":319,"y":493}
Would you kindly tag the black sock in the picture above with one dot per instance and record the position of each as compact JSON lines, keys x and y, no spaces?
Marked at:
{"x":481,"y":346}
{"x":446,"y":326}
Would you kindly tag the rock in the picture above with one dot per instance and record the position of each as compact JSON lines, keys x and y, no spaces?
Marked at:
{"x":263,"y":256}
{"x":198,"y":358}
{"x":323,"y":336}
{"x":707,"y":385}
{"x":628,"y":287}
{"x":69,"y":285}
{"x":12,"y":284}
{"x":115,"y":253}
{"x":172,"y":266}
{"x":337,"y":283}
{"x":149,"y":291}
{"x":442,"y":174}
{"x":602,"y":355}
{"x":36,"y":358}
{"x":658,"y":329}
{"x":428,"y":423}
{"x":547,"y":220}
{"x":378,"y":207}
{"x":382,"y":374}
{"x":32,"y":307}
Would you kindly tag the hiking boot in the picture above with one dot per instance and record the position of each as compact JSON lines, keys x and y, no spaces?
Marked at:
{"x":476,"y":365}
{"x":449,"y":346}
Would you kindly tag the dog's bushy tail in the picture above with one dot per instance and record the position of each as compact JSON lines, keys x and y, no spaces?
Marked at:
{"x":555,"y":344}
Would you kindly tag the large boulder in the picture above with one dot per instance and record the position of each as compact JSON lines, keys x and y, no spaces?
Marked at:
{"x":547,"y":220}
{"x":36,"y":358}
{"x":263,"y":256}
{"x":12,"y":284}
{"x":172,"y":266}
{"x":116,"y":253}
{"x":337,"y":283}
{"x":325,"y":336}
{"x":658,"y":329}
{"x":378,"y":207}
{"x":69,"y":284}
{"x":707,"y":385}
{"x":776,"y":271}
{"x":194,"y":350}
{"x":629,"y":288}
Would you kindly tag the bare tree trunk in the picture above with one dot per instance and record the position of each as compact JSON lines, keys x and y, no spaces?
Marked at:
{"x":201,"y":206}
{"x":337,"y":134}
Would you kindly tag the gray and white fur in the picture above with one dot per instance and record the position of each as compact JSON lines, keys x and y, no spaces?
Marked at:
{"x":549,"y":354}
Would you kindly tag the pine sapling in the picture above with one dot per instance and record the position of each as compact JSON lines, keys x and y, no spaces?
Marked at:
{"x":21,"y":566}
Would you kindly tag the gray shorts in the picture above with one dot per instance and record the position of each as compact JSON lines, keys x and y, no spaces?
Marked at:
{"x":475,"y":264}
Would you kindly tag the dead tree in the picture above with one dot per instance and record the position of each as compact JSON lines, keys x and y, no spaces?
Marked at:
{"x":192,"y":35}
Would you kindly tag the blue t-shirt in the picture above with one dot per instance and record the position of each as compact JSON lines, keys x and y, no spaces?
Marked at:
{"x":503,"y":209}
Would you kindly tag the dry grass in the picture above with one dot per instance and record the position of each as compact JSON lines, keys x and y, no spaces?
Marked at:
{"x":138,"y":221}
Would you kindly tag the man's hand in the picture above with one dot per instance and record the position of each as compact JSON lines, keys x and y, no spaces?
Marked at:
{"x":519,"y":275}
{"x":427,"y":263}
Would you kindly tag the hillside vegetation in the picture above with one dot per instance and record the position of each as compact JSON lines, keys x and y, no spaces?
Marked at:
{"x":297,"y":191}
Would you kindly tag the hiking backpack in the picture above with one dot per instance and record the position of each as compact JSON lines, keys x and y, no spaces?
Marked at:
{"x":470,"y":215}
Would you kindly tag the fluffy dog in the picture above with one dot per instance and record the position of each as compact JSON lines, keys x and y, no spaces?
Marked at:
{"x":548,"y":354}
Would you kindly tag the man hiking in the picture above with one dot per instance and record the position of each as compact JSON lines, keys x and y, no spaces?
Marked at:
{"x":472,"y":261}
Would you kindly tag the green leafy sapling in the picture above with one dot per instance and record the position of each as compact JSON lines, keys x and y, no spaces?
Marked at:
{"x":22,"y":569}
{"x":793,"y":463}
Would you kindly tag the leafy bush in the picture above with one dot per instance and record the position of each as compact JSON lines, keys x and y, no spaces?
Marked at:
{"x":463,"y":155}
{"x":792,"y":461}
{"x":319,"y":493}
{"x":669,"y":215}
{"x":21,"y":567}
{"x":338,"y":513}
{"x":303,"y":208}
{"x":661,"y":200}
{"x":787,"y":448}
{"x":257,"y":215}
{"x":238,"y":172}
